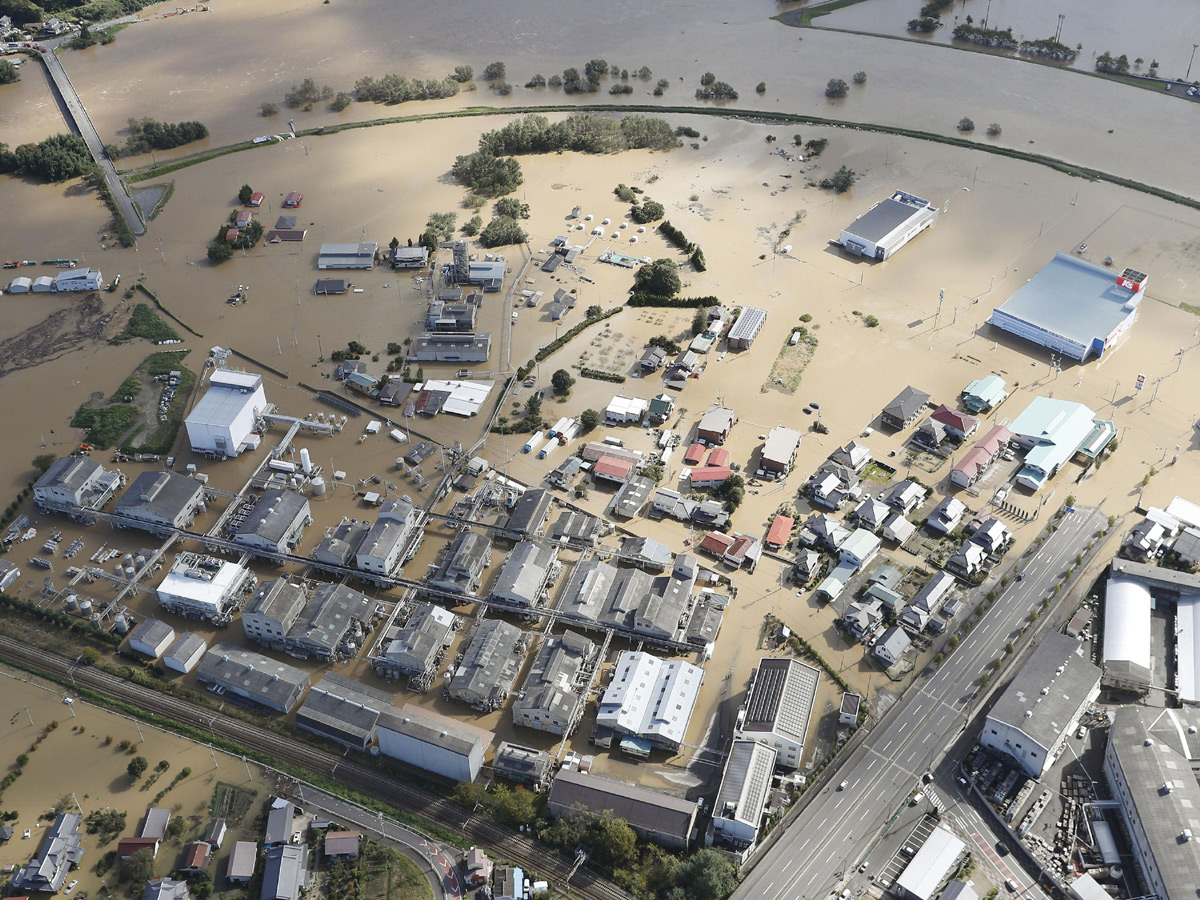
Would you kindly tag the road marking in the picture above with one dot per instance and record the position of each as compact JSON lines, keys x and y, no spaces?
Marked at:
{"x":885,"y":746}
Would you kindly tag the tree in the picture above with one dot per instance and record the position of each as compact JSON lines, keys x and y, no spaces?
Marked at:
{"x":394,"y":242}
{"x":429,"y":241}
{"x":589,"y":419}
{"x":841,"y":180}
{"x":43,"y":461}
{"x":613,"y":842}
{"x":8,"y":73}
{"x":699,"y":322}
{"x":501,"y":231}
{"x":442,"y":224}
{"x":870,"y":321}
{"x":860,"y":77}
{"x":706,"y":875}
{"x":647,"y":211}
{"x":494,"y":72}
{"x":732,"y":490}
{"x":515,"y":807}
{"x":644,"y":72}
{"x":561,"y":381}
{"x":660,"y":277}
{"x":707,"y":78}
{"x":512,"y":207}
{"x":201,"y":885}
{"x":139,"y":868}
{"x":533,"y":406}
{"x":269,"y":109}
{"x":136,"y":767}
{"x":761,"y":87}
{"x":537,"y":81}
{"x":245,"y":193}
{"x":965,"y":124}
{"x":594,"y":311}
{"x":488,"y":175}
{"x":471,"y":794}
{"x":219,"y":251}
{"x":993,"y":130}
{"x":836,"y":89}
{"x":471,"y":226}
{"x":340,"y":102}
{"x":463,"y":74}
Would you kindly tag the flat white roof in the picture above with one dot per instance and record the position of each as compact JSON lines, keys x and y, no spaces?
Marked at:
{"x":227,"y":396}
{"x":201,"y":590}
{"x":927,"y":870}
{"x":1127,"y":623}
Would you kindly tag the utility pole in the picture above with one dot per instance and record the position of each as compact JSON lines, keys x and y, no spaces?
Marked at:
{"x":1190,"y":61}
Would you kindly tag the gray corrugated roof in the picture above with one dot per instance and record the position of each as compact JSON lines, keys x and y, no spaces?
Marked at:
{"x":906,"y":403}
{"x":340,"y":545}
{"x":529,"y":512}
{"x":250,"y":673}
{"x":746,"y":782}
{"x":184,"y":646}
{"x":342,"y":709}
{"x":525,"y":571}
{"x":152,"y":632}
{"x":285,"y":872}
{"x":553,"y":684}
{"x":415,"y":646}
{"x":882,"y":219}
{"x":639,"y":806}
{"x":159,"y":495}
{"x":521,"y":763}
{"x":1052,"y":712}
{"x":272,"y":515}
{"x":437,"y":730}
{"x":491,"y":662}
{"x":328,"y":615}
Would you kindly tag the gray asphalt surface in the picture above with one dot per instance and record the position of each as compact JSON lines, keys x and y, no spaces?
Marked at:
{"x":826,"y":843}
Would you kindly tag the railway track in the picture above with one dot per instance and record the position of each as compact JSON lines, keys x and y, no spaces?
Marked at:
{"x":426,"y":804}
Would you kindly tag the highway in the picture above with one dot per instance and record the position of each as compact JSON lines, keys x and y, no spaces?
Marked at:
{"x":830,"y":838}
{"x":345,"y":769}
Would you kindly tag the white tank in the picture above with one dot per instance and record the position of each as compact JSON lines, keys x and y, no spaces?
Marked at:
{"x":128,"y":559}
{"x":121,"y":624}
{"x":281,"y":465}
{"x":305,"y":461}
{"x":85,"y":607}
{"x":318,"y":486}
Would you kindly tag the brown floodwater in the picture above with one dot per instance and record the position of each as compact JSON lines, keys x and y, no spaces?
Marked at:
{"x":1006,"y":226}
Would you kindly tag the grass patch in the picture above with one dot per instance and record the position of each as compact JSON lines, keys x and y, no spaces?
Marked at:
{"x":146,"y":323}
{"x":106,"y":424}
{"x":168,"y":191}
{"x":790,"y":363}
{"x":807,"y":15}
{"x":231,"y":802}
{"x":130,"y":388}
{"x":1189,"y":307}
{"x":380,"y":873}
{"x":162,"y":439}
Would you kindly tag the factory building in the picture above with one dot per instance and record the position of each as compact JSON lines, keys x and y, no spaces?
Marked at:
{"x":79,"y":280}
{"x":527,"y":574}
{"x":252,"y":677}
{"x":332,"y":625}
{"x":225,"y":421}
{"x":747,"y":327}
{"x":432,"y":742}
{"x":343,"y":711}
{"x":888,"y":225}
{"x":270,"y":614}
{"x":75,"y":485}
{"x":341,"y":542}
{"x":523,"y":765}
{"x":778,"y":708}
{"x":1073,"y":307}
{"x":552,"y":696}
{"x":273,"y":522}
{"x":648,"y":703}
{"x":203,"y":587}
{"x":151,"y":638}
{"x":415,"y":648}
{"x":160,"y":501}
{"x":490,"y":664}
{"x":461,"y":569}
{"x":1040,"y":706}
{"x":469,"y":347}
{"x":187,"y":650}
{"x":745,"y":787}
{"x":665,"y":819}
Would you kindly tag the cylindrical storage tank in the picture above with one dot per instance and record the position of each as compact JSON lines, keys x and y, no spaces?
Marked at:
{"x":85,"y":607}
{"x":1115,"y":872}
{"x":118,"y":568}
{"x":129,"y":559}
{"x":121,"y":624}
{"x":305,"y":461}
{"x":72,"y":602}
{"x":318,"y":486}
{"x":140,"y":561}
{"x":130,"y":571}
{"x":281,"y":465}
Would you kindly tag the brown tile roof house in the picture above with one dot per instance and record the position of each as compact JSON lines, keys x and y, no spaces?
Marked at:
{"x":126,"y":847}
{"x":196,"y":856}
{"x":342,"y":844}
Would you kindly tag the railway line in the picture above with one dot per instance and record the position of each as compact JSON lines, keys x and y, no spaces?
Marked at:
{"x":363,"y":779}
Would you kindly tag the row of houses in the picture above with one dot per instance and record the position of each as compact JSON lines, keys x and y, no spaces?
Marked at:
{"x":72,"y":280}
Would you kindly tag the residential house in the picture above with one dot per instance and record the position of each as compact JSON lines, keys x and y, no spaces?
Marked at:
{"x":715,"y":425}
{"x":993,"y":535}
{"x":870,"y":514}
{"x":780,"y":531}
{"x":930,"y":434}
{"x":928,"y":601}
{"x":980,"y":458}
{"x":945,"y":517}
{"x":833,"y":486}
{"x":660,"y":409}
{"x":958,"y":425}
{"x":779,"y":451}
{"x":824,"y":532}
{"x":891,"y":646}
{"x":806,"y":566}
{"x":897,"y":528}
{"x":862,"y":617}
{"x":907,"y":496}
{"x":341,"y":846}
{"x":478,"y":868}
{"x":984,"y":394}
{"x":242,"y":860}
{"x":195,"y":859}
{"x":653,"y":359}
{"x":904,"y":409}
{"x":968,"y":560}
{"x":166,"y":889}
{"x":854,"y":456}
{"x":860,"y":548}
{"x":1145,"y":540}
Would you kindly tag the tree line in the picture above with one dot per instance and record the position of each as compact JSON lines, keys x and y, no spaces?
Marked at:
{"x":56,"y":158}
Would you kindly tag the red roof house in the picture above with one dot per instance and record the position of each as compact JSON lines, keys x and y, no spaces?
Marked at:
{"x":612,"y":469}
{"x":256,"y":198}
{"x":716,"y":543}
{"x":780,"y":531}
{"x":957,"y":423}
{"x":694,"y":454}
{"x":718,"y":456}
{"x":126,"y":847}
{"x":293,"y":200}
{"x":709,"y":476}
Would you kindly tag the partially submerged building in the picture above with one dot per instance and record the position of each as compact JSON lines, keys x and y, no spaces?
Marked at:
{"x":61,"y":850}
{"x":343,"y":711}
{"x":252,"y":677}
{"x":553,"y":693}
{"x":1073,"y":307}
{"x":75,"y":486}
{"x":415,"y":648}
{"x":745,"y":787}
{"x":348,"y":256}
{"x":432,"y":742}
{"x":648,"y":699}
{"x":226,"y":420}
{"x":904,"y":409}
{"x":779,"y":706}
{"x":523,"y":765}
{"x":159,"y":502}
{"x":461,"y":569}
{"x":527,"y":575}
{"x":888,"y":225}
{"x":1052,"y":431}
{"x":273,"y":523}
{"x":332,"y":624}
{"x":490,"y":663}
{"x":665,"y":819}
{"x":203,"y":587}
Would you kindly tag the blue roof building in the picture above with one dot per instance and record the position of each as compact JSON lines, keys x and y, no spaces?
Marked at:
{"x":1073,"y":307}
{"x":984,"y":394}
{"x":1052,"y":431}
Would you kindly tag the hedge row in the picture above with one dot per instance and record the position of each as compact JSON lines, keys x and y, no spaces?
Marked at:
{"x":640,"y":299}
{"x":600,"y":375}
{"x":675,"y":237}
{"x":563,"y":339}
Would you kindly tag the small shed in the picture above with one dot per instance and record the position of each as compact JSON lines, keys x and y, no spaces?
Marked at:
{"x":152,"y":638}
{"x":293,"y":200}
{"x":43,"y":284}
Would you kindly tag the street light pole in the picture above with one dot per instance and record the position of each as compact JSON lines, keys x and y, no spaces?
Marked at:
{"x":1190,"y":61}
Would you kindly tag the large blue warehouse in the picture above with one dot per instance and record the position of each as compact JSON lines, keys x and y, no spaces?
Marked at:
{"x":1074,"y":307}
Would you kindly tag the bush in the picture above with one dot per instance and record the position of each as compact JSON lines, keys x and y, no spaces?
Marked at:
{"x":463,"y":74}
{"x":147,"y":134}
{"x":537,"y":81}
{"x":625,"y":193}
{"x":601,"y":375}
{"x":583,"y":132}
{"x":269,"y":109}
{"x":305,"y":94}
{"x":621,"y":89}
{"x":512,"y":207}
{"x":471,"y":227}
{"x":707,"y":78}
{"x":136,"y":767}
{"x":841,"y":180}
{"x":442,"y":225}
{"x":502,"y":88}
{"x":993,"y":130}
{"x":502,"y":230}
{"x":836,"y":88}
{"x":761,"y":88}
{"x":870,"y":321}
{"x":860,"y":77}
{"x":494,"y":72}
{"x":245,"y":193}
{"x":965,"y":124}
{"x":340,"y":102}
{"x":9,"y":73}
{"x":664,"y":343}
{"x":815,"y":148}
{"x":647,"y":211}
{"x":394,"y":89}
{"x":675,"y":237}
{"x":719,"y":90}
{"x":924,"y":24}
{"x":653,"y":300}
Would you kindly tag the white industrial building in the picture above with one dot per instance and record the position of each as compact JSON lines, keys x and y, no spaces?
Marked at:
{"x":78,"y":280}
{"x":747,"y":327}
{"x":778,"y":708}
{"x":625,"y":410}
{"x":649,"y":698}
{"x":888,"y":225}
{"x":745,"y":787}
{"x":225,"y":420}
{"x":432,"y":742}
{"x":347,"y":256}
{"x":203,"y":587}
{"x":75,"y":485}
{"x":151,"y":638}
{"x":1073,"y":307}
{"x":187,"y":650}
{"x":931,"y":867}
{"x":1039,"y":708}
{"x":22,"y":284}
